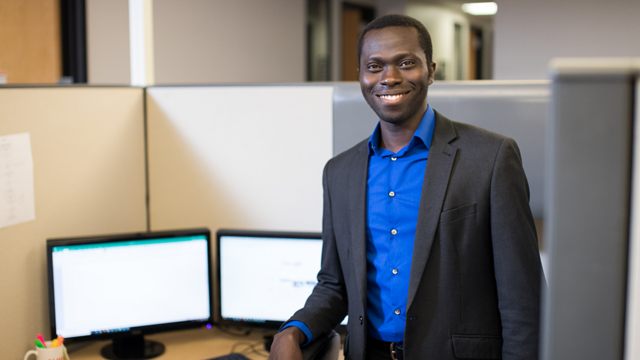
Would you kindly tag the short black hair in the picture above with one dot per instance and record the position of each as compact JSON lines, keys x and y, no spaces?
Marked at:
{"x":400,"y":20}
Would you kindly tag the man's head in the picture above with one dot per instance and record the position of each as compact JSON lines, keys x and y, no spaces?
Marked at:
{"x":395,"y":70}
{"x":399,"y":20}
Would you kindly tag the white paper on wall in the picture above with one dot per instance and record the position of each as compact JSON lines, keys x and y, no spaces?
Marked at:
{"x":17,"y":203}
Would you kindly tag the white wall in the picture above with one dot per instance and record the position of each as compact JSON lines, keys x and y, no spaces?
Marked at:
{"x":390,"y":7}
{"x":530,"y":33}
{"x":440,"y":22}
{"x":203,"y":41}
{"x":108,"y":42}
{"x":239,"y":41}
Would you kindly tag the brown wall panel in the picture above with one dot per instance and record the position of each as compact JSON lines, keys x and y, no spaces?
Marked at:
{"x":30,"y":41}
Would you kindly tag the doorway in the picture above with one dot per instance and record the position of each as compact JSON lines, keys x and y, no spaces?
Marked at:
{"x":354,"y":20}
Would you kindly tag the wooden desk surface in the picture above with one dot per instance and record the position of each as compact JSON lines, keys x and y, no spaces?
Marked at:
{"x":195,"y":344}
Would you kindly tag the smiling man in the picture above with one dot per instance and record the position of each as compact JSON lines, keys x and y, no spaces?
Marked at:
{"x":429,"y":243}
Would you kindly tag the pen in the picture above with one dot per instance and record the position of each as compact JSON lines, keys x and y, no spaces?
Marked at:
{"x":40,"y":344}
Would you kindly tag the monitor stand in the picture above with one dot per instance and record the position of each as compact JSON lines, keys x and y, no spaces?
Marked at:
{"x":268,"y":341}
{"x":132,"y":347}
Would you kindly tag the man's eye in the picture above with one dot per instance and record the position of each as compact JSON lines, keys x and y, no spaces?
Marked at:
{"x":373,"y":67}
{"x":407,"y":63}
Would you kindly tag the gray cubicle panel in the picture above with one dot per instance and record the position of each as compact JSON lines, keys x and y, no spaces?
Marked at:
{"x":588,"y":177}
{"x":632,"y":346}
{"x":517,"y":109}
{"x":87,"y":145}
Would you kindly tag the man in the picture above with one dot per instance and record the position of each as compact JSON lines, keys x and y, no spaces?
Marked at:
{"x":429,"y":243}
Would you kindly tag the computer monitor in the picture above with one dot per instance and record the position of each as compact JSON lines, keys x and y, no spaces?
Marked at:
{"x":265,"y":276}
{"x":124,"y":286}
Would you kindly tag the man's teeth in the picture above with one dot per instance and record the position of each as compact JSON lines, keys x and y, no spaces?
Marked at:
{"x":391,"y":97}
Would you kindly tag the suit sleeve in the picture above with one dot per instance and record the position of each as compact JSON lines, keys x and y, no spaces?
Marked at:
{"x":327,"y":305}
{"x":516,"y":256}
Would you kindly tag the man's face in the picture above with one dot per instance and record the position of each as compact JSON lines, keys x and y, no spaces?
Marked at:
{"x":394,"y":73}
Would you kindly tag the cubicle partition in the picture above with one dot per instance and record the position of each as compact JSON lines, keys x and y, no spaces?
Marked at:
{"x":246,"y":157}
{"x":87,"y":147}
{"x":632,"y":326}
{"x":252,"y":156}
{"x":589,"y":172}
{"x":517,"y":109}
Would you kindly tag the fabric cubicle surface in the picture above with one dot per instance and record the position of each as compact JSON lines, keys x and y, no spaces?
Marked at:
{"x":518,"y":109}
{"x":88,"y":154}
{"x":247,"y":157}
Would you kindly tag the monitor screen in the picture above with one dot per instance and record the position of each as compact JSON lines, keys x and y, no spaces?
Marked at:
{"x":113,"y":286}
{"x":264,"y":277}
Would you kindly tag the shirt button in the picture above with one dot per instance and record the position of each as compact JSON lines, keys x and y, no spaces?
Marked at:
{"x":392,"y":194}
{"x":394,"y":158}
{"x":397,"y":311}
{"x":395,"y":271}
{"x":394,"y":231}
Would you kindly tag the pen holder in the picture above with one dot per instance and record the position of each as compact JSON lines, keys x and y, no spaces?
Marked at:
{"x":48,"y":353}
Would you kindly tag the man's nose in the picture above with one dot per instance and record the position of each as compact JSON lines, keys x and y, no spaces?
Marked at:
{"x":390,"y":76}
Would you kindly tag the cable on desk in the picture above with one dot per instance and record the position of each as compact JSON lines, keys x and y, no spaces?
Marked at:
{"x":239,"y":343}
{"x":227,"y":330}
{"x":251,"y":348}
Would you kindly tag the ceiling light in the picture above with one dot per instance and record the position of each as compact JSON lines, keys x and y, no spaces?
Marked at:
{"x":483,"y":8}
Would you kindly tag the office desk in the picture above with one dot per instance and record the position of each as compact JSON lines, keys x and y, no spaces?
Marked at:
{"x":194,"y":344}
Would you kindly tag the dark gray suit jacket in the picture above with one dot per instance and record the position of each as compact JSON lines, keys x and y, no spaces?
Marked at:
{"x":474,"y":290}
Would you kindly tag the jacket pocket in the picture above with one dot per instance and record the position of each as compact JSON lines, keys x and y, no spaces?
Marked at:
{"x":477,"y":346}
{"x":457,"y":213}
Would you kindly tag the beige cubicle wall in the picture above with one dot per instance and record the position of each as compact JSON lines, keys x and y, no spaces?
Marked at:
{"x":89,"y":178}
{"x":246,"y":157}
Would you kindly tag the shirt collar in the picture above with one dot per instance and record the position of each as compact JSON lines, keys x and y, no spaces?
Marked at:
{"x":424,"y":134}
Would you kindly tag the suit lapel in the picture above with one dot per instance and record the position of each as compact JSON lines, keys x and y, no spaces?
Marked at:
{"x":357,"y":201}
{"x":439,"y":165}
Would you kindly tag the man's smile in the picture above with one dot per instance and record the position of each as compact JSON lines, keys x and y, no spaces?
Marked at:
{"x":392,"y":97}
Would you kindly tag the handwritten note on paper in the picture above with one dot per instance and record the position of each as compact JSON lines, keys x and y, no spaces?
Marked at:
{"x":17,"y":203}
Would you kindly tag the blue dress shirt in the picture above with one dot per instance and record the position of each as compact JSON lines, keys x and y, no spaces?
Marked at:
{"x":394,"y":188}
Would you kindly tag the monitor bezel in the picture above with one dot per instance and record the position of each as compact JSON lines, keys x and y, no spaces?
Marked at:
{"x":140,"y":330}
{"x":254,"y":234}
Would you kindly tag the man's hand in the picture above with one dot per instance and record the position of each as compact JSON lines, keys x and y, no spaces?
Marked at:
{"x":286,"y":344}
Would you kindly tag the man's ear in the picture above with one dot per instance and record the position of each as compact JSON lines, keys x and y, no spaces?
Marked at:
{"x":432,"y":72}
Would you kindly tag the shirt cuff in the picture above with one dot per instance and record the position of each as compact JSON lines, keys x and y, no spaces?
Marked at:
{"x":300,"y":325}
